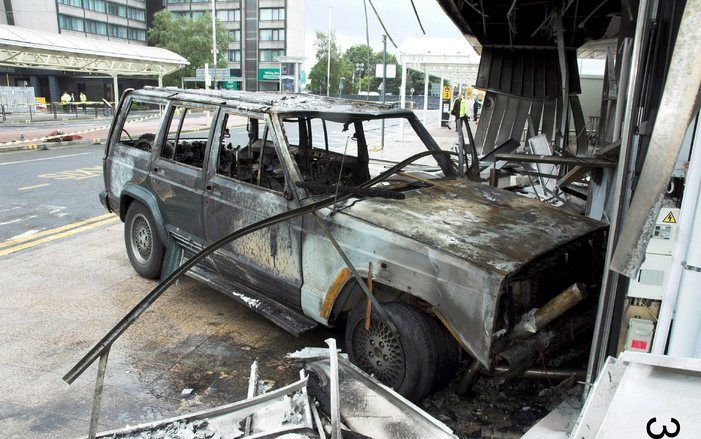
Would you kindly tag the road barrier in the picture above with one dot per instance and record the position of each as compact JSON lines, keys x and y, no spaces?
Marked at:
{"x":73,"y":133}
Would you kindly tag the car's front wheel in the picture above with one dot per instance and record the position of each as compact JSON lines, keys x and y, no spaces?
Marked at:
{"x":405,"y":360}
{"x":144,"y":246}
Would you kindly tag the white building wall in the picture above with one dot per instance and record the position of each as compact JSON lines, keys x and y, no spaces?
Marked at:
{"x":42,"y":16}
{"x":295,"y":27}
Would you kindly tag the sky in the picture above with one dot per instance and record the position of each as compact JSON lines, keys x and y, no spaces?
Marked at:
{"x":348,"y":22}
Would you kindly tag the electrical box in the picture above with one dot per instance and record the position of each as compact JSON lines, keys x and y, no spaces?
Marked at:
{"x":653,"y":273}
{"x":640,"y":333}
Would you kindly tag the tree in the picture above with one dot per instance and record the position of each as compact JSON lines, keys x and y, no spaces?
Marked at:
{"x":192,"y":39}
{"x":340,"y":67}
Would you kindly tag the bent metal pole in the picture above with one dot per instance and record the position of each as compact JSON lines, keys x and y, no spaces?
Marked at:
{"x":106,"y":342}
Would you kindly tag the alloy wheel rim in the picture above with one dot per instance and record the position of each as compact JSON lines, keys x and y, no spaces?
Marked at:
{"x":141,"y":239}
{"x":379,"y":352}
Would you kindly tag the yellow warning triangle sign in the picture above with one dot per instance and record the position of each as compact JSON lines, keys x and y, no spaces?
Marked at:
{"x":669,"y":218}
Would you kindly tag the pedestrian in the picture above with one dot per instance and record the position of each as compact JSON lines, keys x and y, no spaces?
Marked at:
{"x":65,"y":101}
{"x":456,"y":111}
{"x":465,"y":107}
{"x":475,"y":109}
{"x":83,"y":99}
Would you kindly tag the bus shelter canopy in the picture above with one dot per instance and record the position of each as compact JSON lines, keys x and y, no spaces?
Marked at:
{"x":22,"y":47}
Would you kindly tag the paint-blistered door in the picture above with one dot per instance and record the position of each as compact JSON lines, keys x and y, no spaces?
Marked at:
{"x":177,"y":172}
{"x":246,"y":183}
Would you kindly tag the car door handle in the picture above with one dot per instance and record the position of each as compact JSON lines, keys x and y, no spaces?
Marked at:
{"x":160,"y":171}
{"x":208,"y":187}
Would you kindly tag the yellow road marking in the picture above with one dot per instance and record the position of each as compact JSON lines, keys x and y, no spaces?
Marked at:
{"x":26,"y":188}
{"x":75,"y":174}
{"x":31,"y":244}
{"x":54,"y":230}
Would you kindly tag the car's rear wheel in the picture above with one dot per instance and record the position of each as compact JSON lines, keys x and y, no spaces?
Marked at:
{"x":144,"y":246}
{"x":405,"y":360}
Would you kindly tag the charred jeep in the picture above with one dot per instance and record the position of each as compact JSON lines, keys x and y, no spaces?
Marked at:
{"x":459,"y":267}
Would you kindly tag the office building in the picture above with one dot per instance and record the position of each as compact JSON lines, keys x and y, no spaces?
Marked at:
{"x":261,"y":31}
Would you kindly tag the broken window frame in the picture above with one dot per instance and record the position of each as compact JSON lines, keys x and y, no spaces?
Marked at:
{"x":121,"y":124}
{"x":166,"y":124}
{"x":283,"y":157}
{"x":449,"y":168}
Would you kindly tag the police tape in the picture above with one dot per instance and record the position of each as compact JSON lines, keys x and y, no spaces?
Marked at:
{"x":74,"y":133}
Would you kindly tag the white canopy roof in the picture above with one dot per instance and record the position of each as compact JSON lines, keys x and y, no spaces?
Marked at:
{"x":448,"y":58}
{"x":22,"y":47}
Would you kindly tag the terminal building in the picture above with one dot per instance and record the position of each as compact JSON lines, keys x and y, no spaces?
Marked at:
{"x":262,"y":32}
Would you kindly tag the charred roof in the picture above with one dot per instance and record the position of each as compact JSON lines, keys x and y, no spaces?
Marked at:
{"x":281,"y":103}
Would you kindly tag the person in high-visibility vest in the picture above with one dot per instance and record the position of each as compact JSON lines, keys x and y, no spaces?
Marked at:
{"x":456,"y":111}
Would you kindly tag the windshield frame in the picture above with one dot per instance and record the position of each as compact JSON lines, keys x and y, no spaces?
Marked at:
{"x":444,"y":162}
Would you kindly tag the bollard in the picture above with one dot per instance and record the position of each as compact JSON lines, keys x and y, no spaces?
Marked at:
{"x":30,"y":112}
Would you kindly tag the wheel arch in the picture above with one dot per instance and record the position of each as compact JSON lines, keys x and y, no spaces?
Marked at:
{"x":131,"y":193}
{"x":345,"y":293}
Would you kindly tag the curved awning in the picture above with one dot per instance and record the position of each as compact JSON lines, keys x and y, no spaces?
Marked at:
{"x":22,"y":47}
{"x":448,"y":58}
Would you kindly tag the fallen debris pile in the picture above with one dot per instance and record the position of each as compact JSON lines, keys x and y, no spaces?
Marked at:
{"x":333,"y":399}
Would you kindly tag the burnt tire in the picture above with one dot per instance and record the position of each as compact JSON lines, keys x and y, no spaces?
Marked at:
{"x":448,"y":355}
{"x":144,"y":246}
{"x":405,"y":361}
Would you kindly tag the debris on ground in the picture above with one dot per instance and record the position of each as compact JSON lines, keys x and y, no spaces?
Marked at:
{"x":346,"y":402}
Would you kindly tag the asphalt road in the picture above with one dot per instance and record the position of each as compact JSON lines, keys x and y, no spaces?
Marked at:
{"x":52,"y":194}
{"x":43,"y":190}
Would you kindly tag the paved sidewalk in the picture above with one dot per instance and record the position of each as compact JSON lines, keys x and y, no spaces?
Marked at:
{"x":61,"y":298}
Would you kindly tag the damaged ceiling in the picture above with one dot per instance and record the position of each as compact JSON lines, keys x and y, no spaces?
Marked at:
{"x":514,"y":23}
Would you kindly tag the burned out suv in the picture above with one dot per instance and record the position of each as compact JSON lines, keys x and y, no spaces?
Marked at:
{"x":457,"y":266}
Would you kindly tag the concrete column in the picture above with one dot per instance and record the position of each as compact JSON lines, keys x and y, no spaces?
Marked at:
{"x":53,"y":89}
{"x":115,"y":90}
{"x":160,"y":80}
{"x":34,"y":81}
{"x":425,"y":118}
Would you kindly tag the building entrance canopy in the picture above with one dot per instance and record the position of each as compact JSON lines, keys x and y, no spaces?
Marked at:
{"x":22,"y":47}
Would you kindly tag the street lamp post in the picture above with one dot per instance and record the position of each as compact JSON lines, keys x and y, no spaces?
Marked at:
{"x":214,"y":43}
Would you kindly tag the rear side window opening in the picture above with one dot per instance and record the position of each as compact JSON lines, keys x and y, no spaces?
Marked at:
{"x":141,"y":123}
{"x":187,"y":134}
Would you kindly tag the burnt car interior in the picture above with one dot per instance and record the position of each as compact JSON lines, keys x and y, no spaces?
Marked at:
{"x":252,"y":160}
{"x":184,"y":147}
{"x":317,"y":162}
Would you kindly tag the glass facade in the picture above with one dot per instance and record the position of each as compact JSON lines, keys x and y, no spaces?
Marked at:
{"x":269,"y":55}
{"x":229,"y":14}
{"x":234,"y":56}
{"x":272,"y":14}
{"x":272,"y":34}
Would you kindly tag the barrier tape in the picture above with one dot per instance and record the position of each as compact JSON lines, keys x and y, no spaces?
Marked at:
{"x":58,"y":136}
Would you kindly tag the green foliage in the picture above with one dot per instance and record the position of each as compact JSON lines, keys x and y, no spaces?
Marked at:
{"x":347,"y":63}
{"x":340,"y":67}
{"x":192,"y":39}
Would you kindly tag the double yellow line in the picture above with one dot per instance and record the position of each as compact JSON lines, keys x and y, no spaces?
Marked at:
{"x":29,"y":241}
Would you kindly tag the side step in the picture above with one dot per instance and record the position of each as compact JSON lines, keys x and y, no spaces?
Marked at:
{"x":289,"y":320}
